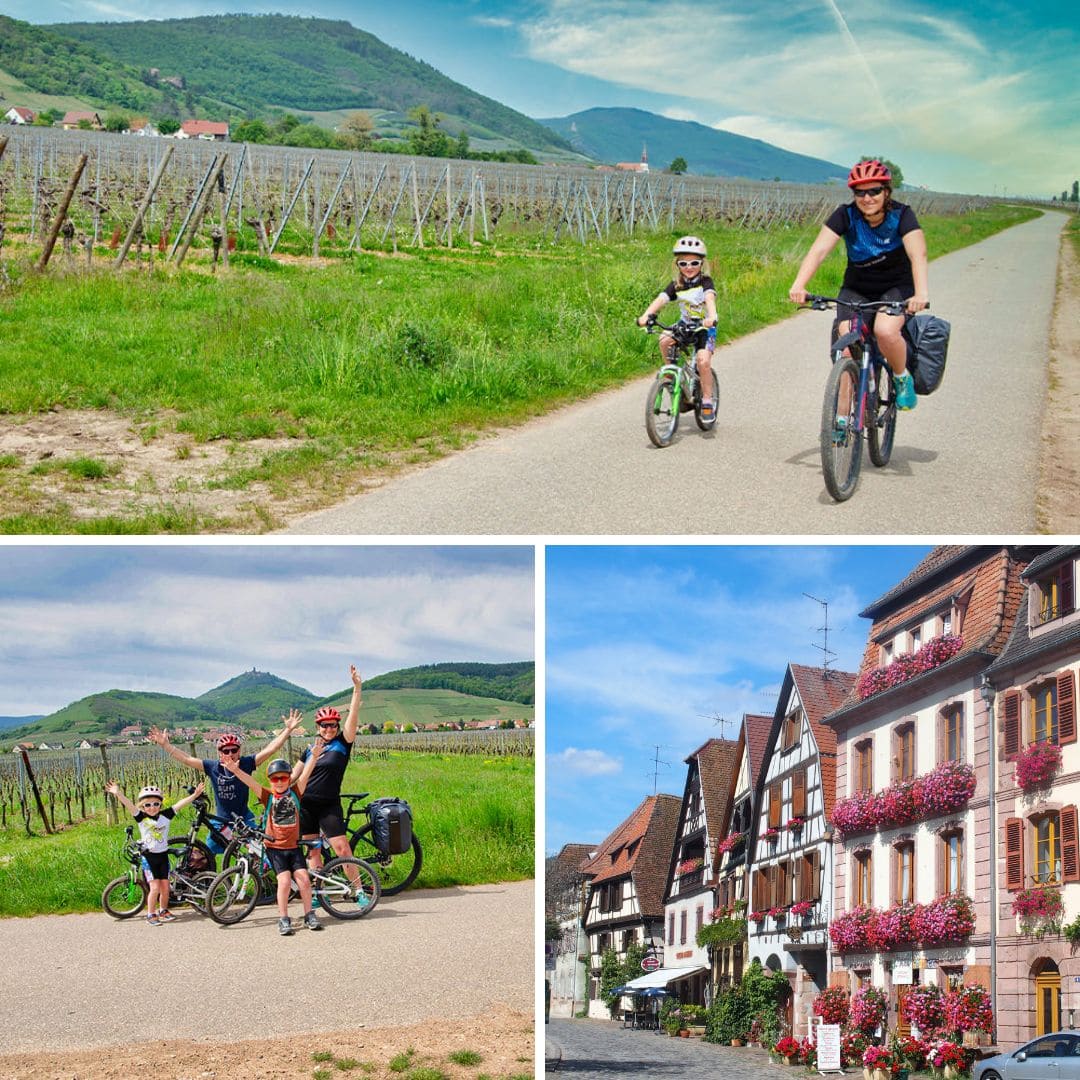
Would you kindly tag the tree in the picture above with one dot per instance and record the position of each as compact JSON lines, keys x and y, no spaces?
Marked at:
{"x":356,"y":131}
{"x":1075,"y":196}
{"x":252,"y":131}
{"x":611,"y":975}
{"x":678,"y":166}
{"x":167,"y":125}
{"x":897,"y":172}
{"x":430,"y":140}
{"x":117,"y":122}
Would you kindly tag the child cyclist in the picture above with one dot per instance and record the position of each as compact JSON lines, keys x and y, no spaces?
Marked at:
{"x":696,"y":294}
{"x":282,"y":827}
{"x":153,"y":822}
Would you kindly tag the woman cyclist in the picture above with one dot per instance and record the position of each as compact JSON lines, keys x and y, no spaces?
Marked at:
{"x":696,"y":293}
{"x":886,"y":252}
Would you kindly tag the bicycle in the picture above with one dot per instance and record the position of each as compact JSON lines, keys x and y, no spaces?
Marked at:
{"x":126,"y":895}
{"x":347,"y":887}
{"x":860,"y":396}
{"x":677,"y":387}
{"x":197,"y":851}
{"x":396,"y":871}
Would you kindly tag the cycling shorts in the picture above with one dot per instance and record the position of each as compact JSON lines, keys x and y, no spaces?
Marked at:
{"x":286,"y":860}
{"x":846,"y":314}
{"x":155,"y":865}
{"x":322,"y":815}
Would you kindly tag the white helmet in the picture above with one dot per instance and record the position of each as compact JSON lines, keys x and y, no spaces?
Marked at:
{"x":689,"y":245}
{"x":149,"y":793}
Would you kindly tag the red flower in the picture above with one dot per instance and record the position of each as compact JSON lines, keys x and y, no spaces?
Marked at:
{"x":1037,"y":764}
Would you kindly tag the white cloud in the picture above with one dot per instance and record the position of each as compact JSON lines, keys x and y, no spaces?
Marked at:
{"x":584,"y":762}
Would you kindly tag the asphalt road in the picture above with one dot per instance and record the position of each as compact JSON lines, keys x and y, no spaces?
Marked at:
{"x":86,"y":981}
{"x":965,"y":461}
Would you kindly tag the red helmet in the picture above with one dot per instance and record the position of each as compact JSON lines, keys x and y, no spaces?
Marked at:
{"x":228,"y":741}
{"x":869,"y":172}
{"x":327,"y":712}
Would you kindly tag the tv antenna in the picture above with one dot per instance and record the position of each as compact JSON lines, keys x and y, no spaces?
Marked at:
{"x":718,"y":721}
{"x":827,"y":655}
{"x":656,"y":768}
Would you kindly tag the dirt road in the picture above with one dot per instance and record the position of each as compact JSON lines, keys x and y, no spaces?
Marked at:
{"x":965,"y":462}
{"x":434,"y":958}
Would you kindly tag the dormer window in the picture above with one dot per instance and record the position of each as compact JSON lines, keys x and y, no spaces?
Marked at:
{"x":792,"y":730}
{"x":1052,"y":595}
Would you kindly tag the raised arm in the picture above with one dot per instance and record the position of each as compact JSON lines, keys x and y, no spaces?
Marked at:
{"x":161,"y":737}
{"x":233,"y":766}
{"x":820,"y":249}
{"x":348,"y":732}
{"x":114,"y":790}
{"x":301,"y":782}
{"x":292,"y":722}
{"x":187,"y":800}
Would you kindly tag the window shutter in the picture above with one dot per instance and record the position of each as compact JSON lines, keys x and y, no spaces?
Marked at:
{"x":1014,"y":854}
{"x":1011,"y":723}
{"x":775,"y":798}
{"x":1066,"y":703}
{"x":798,"y":792}
{"x":942,"y":865}
{"x":1066,"y":600}
{"x":1070,"y":845}
{"x":815,"y":876}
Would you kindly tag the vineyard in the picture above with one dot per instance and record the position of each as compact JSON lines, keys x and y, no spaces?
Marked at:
{"x":154,"y":199}
{"x":71,"y":783}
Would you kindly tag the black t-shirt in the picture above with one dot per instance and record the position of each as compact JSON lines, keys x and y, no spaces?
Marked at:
{"x":329,"y":771}
{"x":877,"y":261}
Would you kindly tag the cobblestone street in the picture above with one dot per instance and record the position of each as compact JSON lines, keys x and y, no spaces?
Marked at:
{"x":604,"y":1049}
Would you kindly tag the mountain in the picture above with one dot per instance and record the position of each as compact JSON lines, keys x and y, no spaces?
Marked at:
{"x":16,"y":721}
{"x":257,"y":62}
{"x":256,"y":699}
{"x":619,"y":134}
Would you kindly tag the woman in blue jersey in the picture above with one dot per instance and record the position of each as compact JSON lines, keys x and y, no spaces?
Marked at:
{"x":886,"y":252}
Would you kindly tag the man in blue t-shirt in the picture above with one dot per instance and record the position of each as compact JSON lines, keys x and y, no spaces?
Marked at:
{"x":230,"y":796}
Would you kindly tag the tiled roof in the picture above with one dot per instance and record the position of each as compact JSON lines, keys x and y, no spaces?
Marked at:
{"x":717,"y":761}
{"x":1049,"y":558}
{"x":650,"y":829}
{"x":821,"y":692}
{"x":941,"y":557}
{"x":757,"y":730}
{"x":572,"y":857}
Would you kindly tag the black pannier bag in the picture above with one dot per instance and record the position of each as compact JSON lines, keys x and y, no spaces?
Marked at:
{"x":391,"y":825}
{"x":928,"y":347}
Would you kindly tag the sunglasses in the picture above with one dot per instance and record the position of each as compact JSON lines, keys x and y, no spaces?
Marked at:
{"x":329,"y":724}
{"x":230,"y":752}
{"x":147,"y":803}
{"x":280,"y":776}
{"x":868,"y":193}
{"x":683,"y":264}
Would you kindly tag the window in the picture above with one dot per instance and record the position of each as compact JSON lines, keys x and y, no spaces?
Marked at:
{"x":682,"y":927}
{"x":1047,"y":849}
{"x":954,"y":978}
{"x":862,"y":886}
{"x":945,"y":623}
{"x":1053,"y":594}
{"x":952,"y":876}
{"x":886,"y":653}
{"x":916,"y":639}
{"x":627,"y":939}
{"x":905,"y":752}
{"x":1044,"y":713}
{"x":809,"y":877}
{"x":671,"y":928}
{"x":904,"y":891}
{"x":954,"y":733}
{"x":792,"y":730}
{"x":781,"y":890}
{"x":864,"y":766}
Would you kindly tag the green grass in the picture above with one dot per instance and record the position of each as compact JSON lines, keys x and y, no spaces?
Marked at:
{"x":474,"y":818}
{"x":372,"y":362}
{"x":465,"y":1057}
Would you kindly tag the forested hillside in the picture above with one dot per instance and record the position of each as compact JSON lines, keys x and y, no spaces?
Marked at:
{"x":507,"y":682}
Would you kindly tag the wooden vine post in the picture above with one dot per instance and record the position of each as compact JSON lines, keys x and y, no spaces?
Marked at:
{"x":206,"y":196}
{"x":30,"y":773}
{"x":110,"y":801}
{"x":136,"y":225}
{"x":54,"y":232}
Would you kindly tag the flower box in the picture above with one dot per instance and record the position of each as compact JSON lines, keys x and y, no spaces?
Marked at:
{"x":934,"y":653}
{"x":795,"y":824}
{"x":770,"y":836}
{"x":1037,"y":765}
{"x":801,"y":908}
{"x":688,"y":866}
{"x":730,"y":842}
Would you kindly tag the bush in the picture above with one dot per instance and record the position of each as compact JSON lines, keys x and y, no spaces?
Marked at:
{"x":749,"y":1004}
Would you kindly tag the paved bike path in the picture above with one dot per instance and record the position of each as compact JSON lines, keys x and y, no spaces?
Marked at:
{"x":965,"y":461}
{"x":85,"y":981}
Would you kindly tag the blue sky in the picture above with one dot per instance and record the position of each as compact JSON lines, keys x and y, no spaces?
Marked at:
{"x":646,"y":647}
{"x":965,"y":97}
{"x":77,"y":620}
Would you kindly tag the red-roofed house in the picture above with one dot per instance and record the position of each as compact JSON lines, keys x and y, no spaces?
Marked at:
{"x":917,"y":720}
{"x":624,"y":899}
{"x":72,"y":120}
{"x":790,"y":841}
{"x":18,"y":115}
{"x":203,"y":129}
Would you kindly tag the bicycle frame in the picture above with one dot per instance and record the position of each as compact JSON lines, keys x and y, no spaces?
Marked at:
{"x":870,"y":360}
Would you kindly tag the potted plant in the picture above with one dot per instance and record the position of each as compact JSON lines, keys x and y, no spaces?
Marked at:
{"x":1039,"y":910}
{"x":877,"y":1063}
{"x":832,"y":1005}
{"x":795,"y":824}
{"x":801,"y":908}
{"x":1036,"y":765}
{"x":951,"y":1059}
{"x":770,"y":836}
{"x":788,"y":1049}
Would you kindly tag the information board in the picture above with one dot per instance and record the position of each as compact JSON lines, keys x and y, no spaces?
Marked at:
{"x":828,"y":1047}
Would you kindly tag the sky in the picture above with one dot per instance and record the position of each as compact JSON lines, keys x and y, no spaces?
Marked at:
{"x":964,"y":97}
{"x":647,"y":649}
{"x":79,"y":620}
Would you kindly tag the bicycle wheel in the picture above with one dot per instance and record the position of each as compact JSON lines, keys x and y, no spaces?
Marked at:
{"x":200,"y":890}
{"x":125,"y":896}
{"x":708,"y":425}
{"x":881,"y":410}
{"x":662,"y":410}
{"x":396,"y":872}
{"x":232,"y":895}
{"x":348,"y":888}
{"x":841,"y":445}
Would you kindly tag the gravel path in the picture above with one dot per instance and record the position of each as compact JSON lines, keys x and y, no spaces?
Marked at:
{"x":966,"y":461}
{"x":85,"y":981}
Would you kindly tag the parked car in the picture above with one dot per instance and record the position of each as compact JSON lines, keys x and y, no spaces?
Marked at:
{"x":1049,"y":1057}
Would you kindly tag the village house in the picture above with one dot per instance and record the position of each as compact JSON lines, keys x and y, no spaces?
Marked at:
{"x":141,"y":125}
{"x":565,"y":955}
{"x":912,"y":885}
{"x":74,"y":120}
{"x":210,"y":130}
{"x":624,"y":894}
{"x":791,"y":842}
{"x":1036,"y":885}
{"x":690,"y":893}
{"x":18,"y":115}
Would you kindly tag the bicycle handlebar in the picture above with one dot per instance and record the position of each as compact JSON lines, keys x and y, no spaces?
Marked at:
{"x":890,"y":307}
{"x":685,"y":325}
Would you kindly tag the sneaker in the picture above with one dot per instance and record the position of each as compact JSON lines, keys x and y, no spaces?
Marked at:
{"x":311,"y":921}
{"x":153,"y":920}
{"x":905,"y":391}
{"x":166,"y":916}
{"x":315,"y":903}
{"x":839,"y":431}
{"x":708,"y":410}
{"x":284,"y":927}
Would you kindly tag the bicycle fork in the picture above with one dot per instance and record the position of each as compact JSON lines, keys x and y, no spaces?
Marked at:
{"x":674,"y":372}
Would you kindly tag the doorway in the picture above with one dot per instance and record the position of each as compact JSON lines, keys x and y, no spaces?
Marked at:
{"x":1047,"y":998}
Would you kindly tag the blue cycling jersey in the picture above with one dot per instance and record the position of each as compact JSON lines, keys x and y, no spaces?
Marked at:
{"x":877,"y":261}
